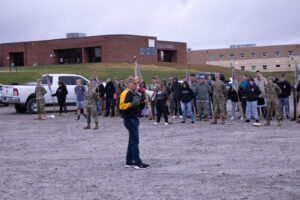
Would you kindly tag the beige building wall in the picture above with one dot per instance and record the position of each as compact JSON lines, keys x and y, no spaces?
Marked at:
{"x":263,"y":58}
{"x":264,"y":65}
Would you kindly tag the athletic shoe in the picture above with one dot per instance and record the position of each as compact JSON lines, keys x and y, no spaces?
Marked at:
{"x":183,"y":122}
{"x":192,"y":122}
{"x":180,"y":116}
{"x":131,"y":165}
{"x":257,"y":121}
{"x":232,"y":118}
{"x":142,"y":166}
{"x":248,"y":120}
{"x":166,"y":123}
{"x":242,"y":118}
{"x":174,"y":116}
{"x":156,"y":123}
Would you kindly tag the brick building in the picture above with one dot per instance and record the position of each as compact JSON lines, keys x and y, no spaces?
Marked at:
{"x":106,"y":48}
{"x":249,"y":57}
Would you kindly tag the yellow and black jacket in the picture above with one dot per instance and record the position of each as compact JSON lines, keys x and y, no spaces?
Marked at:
{"x":127,"y":96}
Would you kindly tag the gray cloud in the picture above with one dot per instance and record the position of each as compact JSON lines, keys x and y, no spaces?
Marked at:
{"x":200,"y":23}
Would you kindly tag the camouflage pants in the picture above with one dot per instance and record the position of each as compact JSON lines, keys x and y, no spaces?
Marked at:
{"x":92,"y":112}
{"x":171,"y":106}
{"x":219,"y":109}
{"x":203,"y":108}
{"x":40,"y":103}
{"x":271,"y":106}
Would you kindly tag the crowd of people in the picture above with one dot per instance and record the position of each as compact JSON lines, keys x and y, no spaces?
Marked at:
{"x":199,"y":98}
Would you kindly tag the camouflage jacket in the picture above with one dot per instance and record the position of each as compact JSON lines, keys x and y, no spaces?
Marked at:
{"x":272,"y":91}
{"x":91,"y":98}
{"x":40,"y":91}
{"x":219,"y":91}
{"x":119,"y":89}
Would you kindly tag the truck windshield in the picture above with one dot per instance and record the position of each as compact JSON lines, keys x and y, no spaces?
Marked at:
{"x":44,"y":80}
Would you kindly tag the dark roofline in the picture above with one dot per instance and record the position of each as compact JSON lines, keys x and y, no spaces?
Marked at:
{"x":267,"y":46}
{"x":81,"y":38}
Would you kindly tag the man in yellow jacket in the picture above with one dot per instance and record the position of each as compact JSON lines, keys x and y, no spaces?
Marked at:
{"x":130,"y":106}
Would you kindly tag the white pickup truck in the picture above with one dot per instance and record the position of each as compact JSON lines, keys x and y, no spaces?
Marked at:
{"x":23,"y":96}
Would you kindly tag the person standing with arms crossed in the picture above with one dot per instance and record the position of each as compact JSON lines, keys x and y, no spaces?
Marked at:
{"x":130,"y":107}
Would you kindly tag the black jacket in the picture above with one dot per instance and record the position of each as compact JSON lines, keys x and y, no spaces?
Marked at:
{"x":128,"y":112}
{"x":252,"y":92}
{"x":232,"y":95}
{"x":61,"y":92}
{"x":100,"y":89}
{"x":186,"y":94}
{"x":110,"y":90}
{"x":285,"y":87}
{"x":176,"y":89}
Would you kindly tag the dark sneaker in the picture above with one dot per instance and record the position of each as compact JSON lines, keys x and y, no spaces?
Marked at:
{"x":257,"y":121}
{"x":183,"y":122}
{"x":131,"y":165}
{"x":248,"y":120}
{"x":192,"y":122}
{"x":142,"y":166}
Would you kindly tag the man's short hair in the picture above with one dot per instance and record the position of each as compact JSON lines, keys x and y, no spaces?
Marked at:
{"x":154,"y":78}
{"x":193,"y":75}
{"x":283,"y":75}
{"x":258,"y":71}
{"x":246,"y":75}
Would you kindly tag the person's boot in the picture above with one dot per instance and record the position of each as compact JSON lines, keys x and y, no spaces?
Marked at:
{"x":278,"y":122}
{"x":267,"y":123}
{"x":88,"y":126}
{"x":96,"y":126}
{"x":39,"y":117}
{"x":215,"y":121}
{"x":205,"y":119}
{"x":223,"y":121}
{"x":78,"y":117}
{"x":200,"y":118}
{"x":44,"y":117}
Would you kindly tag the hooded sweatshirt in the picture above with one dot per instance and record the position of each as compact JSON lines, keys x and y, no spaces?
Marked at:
{"x":186,"y":93}
{"x":176,"y":89}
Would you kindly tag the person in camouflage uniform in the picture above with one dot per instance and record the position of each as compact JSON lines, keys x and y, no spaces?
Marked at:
{"x":119,"y":89}
{"x":272,"y":91}
{"x":91,"y":99}
{"x":40,"y":91}
{"x":219,"y":92}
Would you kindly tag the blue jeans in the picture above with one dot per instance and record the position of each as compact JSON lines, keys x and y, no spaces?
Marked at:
{"x":99,"y":108}
{"x":177,"y":106}
{"x":188,"y":106}
{"x":284,"y":103}
{"x":252,"y":108}
{"x":133,"y":153}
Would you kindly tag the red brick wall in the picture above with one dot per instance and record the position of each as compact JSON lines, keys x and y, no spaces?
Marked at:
{"x":114,"y":48}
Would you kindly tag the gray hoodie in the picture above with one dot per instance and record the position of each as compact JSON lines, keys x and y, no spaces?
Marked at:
{"x":202,"y":91}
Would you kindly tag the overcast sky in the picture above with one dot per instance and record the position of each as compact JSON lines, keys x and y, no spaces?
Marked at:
{"x":202,"y":24}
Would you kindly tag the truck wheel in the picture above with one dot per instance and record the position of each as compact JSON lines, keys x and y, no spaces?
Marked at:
{"x":31,"y":106}
{"x":20,"y":108}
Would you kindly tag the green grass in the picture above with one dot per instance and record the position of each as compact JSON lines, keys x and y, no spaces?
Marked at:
{"x":120,"y":70}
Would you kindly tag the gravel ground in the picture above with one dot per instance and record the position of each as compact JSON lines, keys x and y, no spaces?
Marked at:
{"x":56,"y":159}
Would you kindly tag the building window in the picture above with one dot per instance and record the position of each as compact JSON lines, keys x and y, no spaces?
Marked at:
{"x":211,"y":57}
{"x":253,"y":55}
{"x":291,"y":53}
{"x":265,"y":67}
{"x":242,"y":55}
{"x":221,"y":57}
{"x":253,"y":67}
{"x":231,"y":56}
{"x":242,"y":67}
{"x":277,"y":53}
{"x":277,"y":65}
{"x":264,"y":54}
